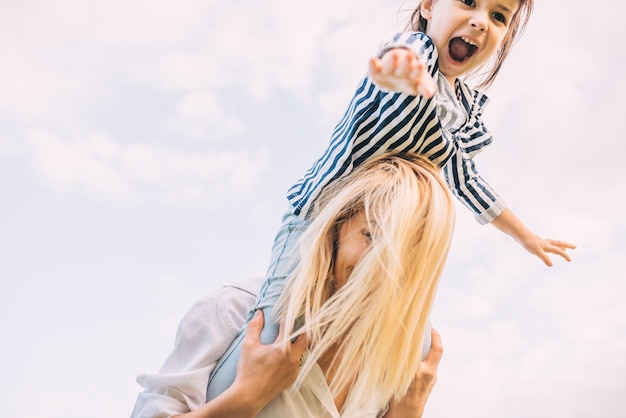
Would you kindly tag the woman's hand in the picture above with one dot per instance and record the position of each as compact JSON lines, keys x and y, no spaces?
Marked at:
{"x":264,"y":371}
{"x":414,"y":402}
{"x":400,"y":70}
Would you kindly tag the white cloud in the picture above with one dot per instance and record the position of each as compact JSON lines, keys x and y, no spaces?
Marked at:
{"x":9,"y":147}
{"x":203,"y":114}
{"x":573,"y":366}
{"x":59,"y":57}
{"x":113,"y":22}
{"x":523,"y":340}
{"x":33,"y":89}
{"x":182,"y":71}
{"x":83,"y":165}
{"x":103,"y":169}
{"x":61,"y":60}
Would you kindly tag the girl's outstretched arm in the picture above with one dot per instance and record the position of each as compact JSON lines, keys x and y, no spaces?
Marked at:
{"x":508,"y":223}
{"x":400,"y":70}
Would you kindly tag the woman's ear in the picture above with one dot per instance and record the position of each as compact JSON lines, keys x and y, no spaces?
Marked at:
{"x":426,"y":9}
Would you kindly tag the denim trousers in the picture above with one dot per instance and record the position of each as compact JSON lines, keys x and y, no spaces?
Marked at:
{"x":283,"y":261}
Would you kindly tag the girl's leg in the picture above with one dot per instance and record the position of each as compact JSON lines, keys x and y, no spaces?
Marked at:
{"x":283,"y":261}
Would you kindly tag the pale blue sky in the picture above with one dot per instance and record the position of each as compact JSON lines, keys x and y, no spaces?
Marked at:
{"x":146,"y":146}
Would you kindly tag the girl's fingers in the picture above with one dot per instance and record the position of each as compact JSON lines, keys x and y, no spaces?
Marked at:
{"x":389,"y":63}
{"x":559,"y":247}
{"x":562,"y":244}
{"x":376,"y":65}
{"x":406,"y":66}
{"x":544,"y":257}
{"x":416,"y":69}
{"x":559,"y":251}
{"x":402,"y":71}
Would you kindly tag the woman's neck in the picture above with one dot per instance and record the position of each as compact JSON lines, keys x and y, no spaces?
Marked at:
{"x":330,"y":369}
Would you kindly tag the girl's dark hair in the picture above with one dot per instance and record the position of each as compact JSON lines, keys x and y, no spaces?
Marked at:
{"x":518,"y":24}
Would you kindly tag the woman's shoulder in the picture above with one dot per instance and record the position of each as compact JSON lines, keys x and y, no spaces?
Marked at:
{"x":231,"y":302}
{"x":250,"y":286}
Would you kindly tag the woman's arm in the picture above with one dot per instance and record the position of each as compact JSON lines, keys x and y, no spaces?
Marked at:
{"x":414,"y":402}
{"x":263,"y":372}
{"x":204,"y":333}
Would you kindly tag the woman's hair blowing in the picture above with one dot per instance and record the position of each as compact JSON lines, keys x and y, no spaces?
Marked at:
{"x":378,"y":318}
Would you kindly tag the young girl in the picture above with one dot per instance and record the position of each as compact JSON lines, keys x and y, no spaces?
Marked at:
{"x":413,"y":100}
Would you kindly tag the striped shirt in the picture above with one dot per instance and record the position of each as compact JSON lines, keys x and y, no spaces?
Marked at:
{"x":446,"y":129}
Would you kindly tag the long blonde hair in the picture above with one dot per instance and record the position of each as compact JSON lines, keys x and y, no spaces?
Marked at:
{"x":379,"y":316}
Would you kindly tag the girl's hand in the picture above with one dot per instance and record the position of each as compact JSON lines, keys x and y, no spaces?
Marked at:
{"x":541,"y":247}
{"x":414,"y":402}
{"x":265,"y":371}
{"x":508,"y":223}
{"x":401,"y":71}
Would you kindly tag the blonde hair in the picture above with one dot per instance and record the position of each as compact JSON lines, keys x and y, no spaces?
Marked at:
{"x":379,"y":316}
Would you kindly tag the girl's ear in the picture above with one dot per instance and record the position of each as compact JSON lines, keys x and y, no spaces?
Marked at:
{"x":426,"y":9}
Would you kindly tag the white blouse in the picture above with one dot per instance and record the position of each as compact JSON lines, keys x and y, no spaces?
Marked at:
{"x":203,"y":335}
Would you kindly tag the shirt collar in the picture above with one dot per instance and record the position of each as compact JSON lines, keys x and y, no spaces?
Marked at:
{"x":472,"y":100}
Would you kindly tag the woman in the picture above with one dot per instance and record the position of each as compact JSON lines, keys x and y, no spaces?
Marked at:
{"x":369,"y":266}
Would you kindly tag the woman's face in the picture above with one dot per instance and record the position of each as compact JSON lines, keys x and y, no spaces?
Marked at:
{"x":354,"y":240}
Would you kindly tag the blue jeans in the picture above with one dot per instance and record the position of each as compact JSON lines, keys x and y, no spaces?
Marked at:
{"x":284,"y":259}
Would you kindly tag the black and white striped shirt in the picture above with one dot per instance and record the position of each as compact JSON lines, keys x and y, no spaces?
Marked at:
{"x":445,"y":129}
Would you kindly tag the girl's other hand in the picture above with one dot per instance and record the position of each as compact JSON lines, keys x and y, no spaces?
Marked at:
{"x":542,"y":246}
{"x":401,"y":71}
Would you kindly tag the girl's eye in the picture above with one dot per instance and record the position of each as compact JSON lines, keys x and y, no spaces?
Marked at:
{"x":469,"y":2}
{"x":499,"y":17}
{"x":367,"y":235}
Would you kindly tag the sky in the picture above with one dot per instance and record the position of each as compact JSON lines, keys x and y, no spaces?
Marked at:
{"x":145,"y":151}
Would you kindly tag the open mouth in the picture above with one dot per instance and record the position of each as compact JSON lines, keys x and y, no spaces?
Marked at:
{"x":461,"y":49}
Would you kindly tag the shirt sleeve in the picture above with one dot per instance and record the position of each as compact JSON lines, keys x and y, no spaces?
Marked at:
{"x":471,"y":189}
{"x":203,"y":335}
{"x":376,"y":121}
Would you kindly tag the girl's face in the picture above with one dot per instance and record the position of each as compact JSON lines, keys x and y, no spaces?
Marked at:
{"x":354,"y":240}
{"x":466,"y":32}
